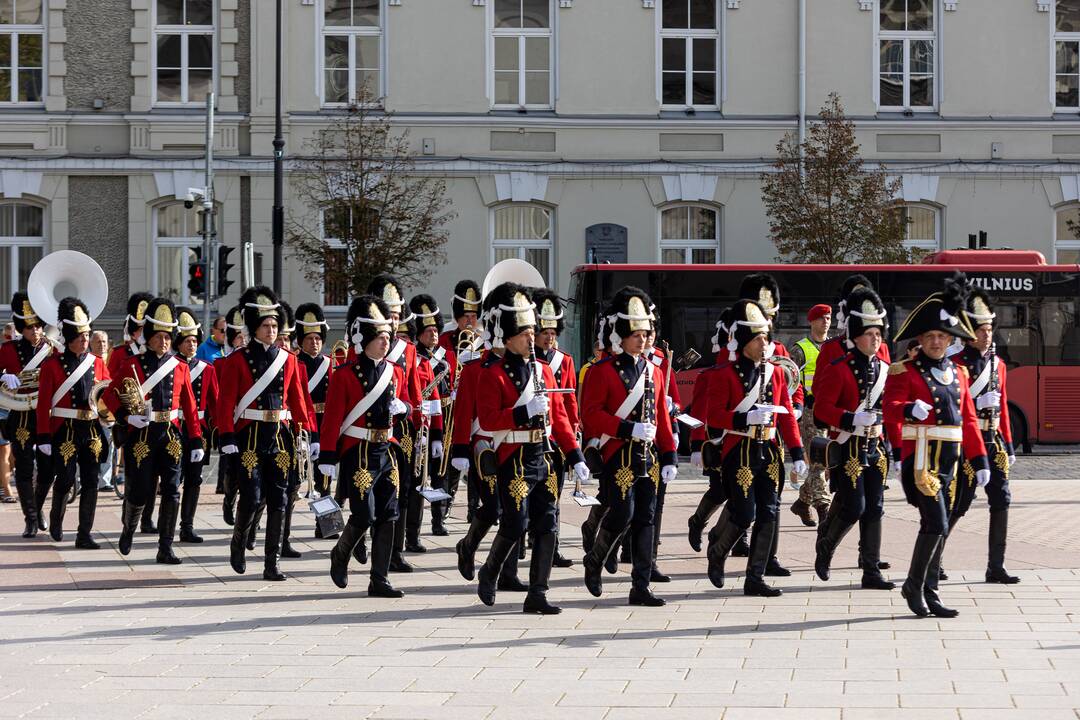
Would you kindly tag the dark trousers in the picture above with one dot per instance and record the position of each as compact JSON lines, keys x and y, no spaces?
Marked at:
{"x":526,"y":501}
{"x":860,"y":491}
{"x":370,"y":473}
{"x":153,"y":454}
{"x":998,"y":494}
{"x":942,"y":459}
{"x":263,"y":466}
{"x":77,"y":449}
{"x":753,"y":475}
{"x":20,"y":430}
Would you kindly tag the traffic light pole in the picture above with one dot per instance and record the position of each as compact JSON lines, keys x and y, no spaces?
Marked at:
{"x":209,"y":232}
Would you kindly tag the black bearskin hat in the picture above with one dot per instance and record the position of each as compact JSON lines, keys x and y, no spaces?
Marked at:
{"x":22,"y":314}
{"x":136,"y":309}
{"x":549,"y":310}
{"x":426,"y":312}
{"x":466,"y":298}
{"x":74,"y":318}
{"x":511,"y":312}
{"x":979,"y":309}
{"x":160,"y":317}
{"x":187,"y":325}
{"x":762,"y":289}
{"x":288,"y":325}
{"x":310,"y":319}
{"x":387,"y":288}
{"x":865,"y":310}
{"x":942,"y":311}
{"x":746,"y":321}
{"x":722,"y":330}
{"x":628,"y":312}
{"x":406,"y":324}
{"x":234,"y":324}
{"x":852,"y":283}
{"x":259,"y":303}
{"x":368,"y":317}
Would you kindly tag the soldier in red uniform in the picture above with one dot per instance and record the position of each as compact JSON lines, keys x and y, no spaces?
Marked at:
{"x":517,"y":410}
{"x":205,"y":387}
{"x":236,"y":338}
{"x":27,"y":354}
{"x":358,"y":431}
{"x":991,"y":397}
{"x":549,"y":314}
{"x":260,"y":394}
{"x":466,"y":309}
{"x":153,"y":445}
{"x":311,"y":329}
{"x":624,"y":409}
{"x":748,"y":400}
{"x":431,"y":359}
{"x":929,"y":411}
{"x":67,"y":421}
{"x":848,"y":401}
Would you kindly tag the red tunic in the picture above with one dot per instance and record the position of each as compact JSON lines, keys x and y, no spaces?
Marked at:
{"x":207,"y":395}
{"x":836,"y":347}
{"x":183,"y":397}
{"x":345,"y":392}
{"x":726,"y":392}
{"x":699,"y":405}
{"x":9,"y":357}
{"x":838,"y":399}
{"x":566,"y":377}
{"x":665,"y":363}
{"x":1002,"y":373}
{"x":120,"y":355}
{"x":465,"y":402}
{"x":425,"y":374}
{"x":236,"y":379}
{"x":52,"y":377}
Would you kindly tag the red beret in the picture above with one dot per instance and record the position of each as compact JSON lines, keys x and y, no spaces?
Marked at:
{"x":818,"y":311}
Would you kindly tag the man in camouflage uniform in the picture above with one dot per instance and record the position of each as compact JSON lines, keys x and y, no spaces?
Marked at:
{"x":814,"y":493}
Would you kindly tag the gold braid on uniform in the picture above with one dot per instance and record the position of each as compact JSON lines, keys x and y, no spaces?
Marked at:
{"x":395,"y":477}
{"x":624,"y":476}
{"x":519,"y":488}
{"x":362,"y":479}
{"x":1001,"y":458}
{"x":22,"y":434}
{"x":140,"y":449}
{"x":249,"y":458}
{"x":774,"y":467}
{"x":552,"y":480}
{"x":744,"y":476}
{"x":96,"y":445}
{"x":175,"y":447}
{"x":882,"y":464}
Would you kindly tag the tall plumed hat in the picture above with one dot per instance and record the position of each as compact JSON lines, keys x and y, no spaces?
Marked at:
{"x":466,"y":298}
{"x":628,"y":312}
{"x":160,"y":317}
{"x":762,"y":289}
{"x":865,"y":310}
{"x":722,"y":330}
{"x":387,"y":288}
{"x":942,"y":311}
{"x":368,"y":317}
{"x":979,"y":309}
{"x":234,"y":324}
{"x":136,"y":309}
{"x":746,"y":321}
{"x":852,"y":283}
{"x":259,"y":303}
{"x":74,"y":318}
{"x":426,"y":312}
{"x":187,"y":325}
{"x":310,"y":319}
{"x":549,"y":310}
{"x":22,"y":313}
{"x":511,"y":312}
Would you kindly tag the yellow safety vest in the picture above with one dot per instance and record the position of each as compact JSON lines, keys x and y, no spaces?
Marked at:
{"x":810,"y":352}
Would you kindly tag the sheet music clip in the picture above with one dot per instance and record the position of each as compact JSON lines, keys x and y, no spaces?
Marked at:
{"x":584,"y":500}
{"x":689,"y":421}
{"x":327,"y":516}
{"x":434,"y":495}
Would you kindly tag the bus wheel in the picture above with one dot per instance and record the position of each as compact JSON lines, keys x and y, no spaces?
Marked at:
{"x":1019,"y":426}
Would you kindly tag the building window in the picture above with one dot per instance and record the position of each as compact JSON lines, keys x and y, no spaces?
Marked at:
{"x":351,"y":51}
{"x":522,"y":52}
{"x":339,"y":233}
{"x":906,"y":58}
{"x":689,"y":53}
{"x":922,"y":228}
{"x":177,"y":244}
{"x":22,"y":37}
{"x":524,"y":232}
{"x":689,"y":234}
{"x":1067,"y":236}
{"x":22,"y":245}
{"x":1067,"y":55}
{"x":183,"y":51}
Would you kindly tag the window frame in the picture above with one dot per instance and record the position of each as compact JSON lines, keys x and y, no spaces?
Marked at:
{"x":157,"y":242}
{"x":907,"y":36}
{"x":718,"y":34}
{"x":322,"y":30}
{"x":11,"y":243}
{"x":332,"y":244}
{"x":13,"y":31}
{"x":520,"y":244}
{"x":184,"y":31}
{"x":1064,"y":243}
{"x":1055,"y":38}
{"x":549,"y":32}
{"x":686,"y":244}
{"x":938,"y":226}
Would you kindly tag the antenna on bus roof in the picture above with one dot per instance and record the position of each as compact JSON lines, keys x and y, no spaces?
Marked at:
{"x":972,"y":242}
{"x":982,"y":239}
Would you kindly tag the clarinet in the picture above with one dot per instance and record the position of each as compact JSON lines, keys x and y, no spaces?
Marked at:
{"x":539,"y":388}
{"x":994,"y":412}
{"x":648,"y":401}
{"x":759,"y":442}
{"x":871,"y":380}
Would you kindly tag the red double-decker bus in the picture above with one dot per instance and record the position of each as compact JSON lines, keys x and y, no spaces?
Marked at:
{"x":1037,"y":306}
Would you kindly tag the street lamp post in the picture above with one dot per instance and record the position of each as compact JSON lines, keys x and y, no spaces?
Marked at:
{"x":278,"y":228}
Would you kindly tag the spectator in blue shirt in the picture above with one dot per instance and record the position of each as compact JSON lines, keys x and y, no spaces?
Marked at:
{"x":214,"y":345}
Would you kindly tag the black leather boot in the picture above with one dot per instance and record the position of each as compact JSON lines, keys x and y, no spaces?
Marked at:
{"x":253,"y":528}
{"x":438,"y":519}
{"x":466,"y":547}
{"x":57,"y":511}
{"x":228,"y":500}
{"x":238,"y":544}
{"x":508,"y":576}
{"x":543,"y":553}
{"x":129,"y":523}
{"x":741,"y":548}
{"x":382,"y":547}
{"x":773,"y":568}
{"x":836,"y":528}
{"x":697,"y":522}
{"x":590,"y":527}
{"x":872,"y":579}
{"x":146,"y":524}
{"x":930,"y":588}
{"x":342,"y":551}
{"x":398,"y":563}
{"x":287,"y":550}
{"x":167,"y":517}
{"x":995,"y":566}
{"x":29,"y":509}
{"x":881,"y":564}
{"x":722,"y":539}
{"x":87,"y":510}
{"x":360,"y":552}
{"x":41,"y":492}
{"x":488,"y":575}
{"x":560,"y":560}
{"x":642,"y":553}
{"x":412,"y":523}
{"x":189,"y":502}
{"x":761,"y":540}
{"x":655,"y":575}
{"x":912,"y":589}
{"x":275,"y":528}
{"x":602,"y":548}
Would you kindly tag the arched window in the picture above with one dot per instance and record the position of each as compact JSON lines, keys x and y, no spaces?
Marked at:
{"x":922,"y":227}
{"x":689,"y":234}
{"x":523,"y":231}
{"x":22,"y":245}
{"x":177,"y":244}
{"x":1067,"y":236}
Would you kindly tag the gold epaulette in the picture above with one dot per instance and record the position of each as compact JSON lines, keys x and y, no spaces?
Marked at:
{"x":898,"y":367}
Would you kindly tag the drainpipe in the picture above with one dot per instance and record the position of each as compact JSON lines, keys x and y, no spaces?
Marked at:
{"x":802,"y":73}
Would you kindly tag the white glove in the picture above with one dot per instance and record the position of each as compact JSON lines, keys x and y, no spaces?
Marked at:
{"x":670,"y":404}
{"x":798,"y":413}
{"x":436,"y":450}
{"x":695,"y":459}
{"x":989,"y":399}
{"x":328,"y":471}
{"x":313,"y":450}
{"x":865,"y":418}
{"x":138,"y":421}
{"x":45,"y":450}
{"x":801,"y":468}
{"x":921,"y":410}
{"x":644,"y":431}
{"x":229,"y":449}
{"x":397,"y":407}
{"x":668,"y":473}
{"x":1012,"y":460}
{"x":757,"y":416}
{"x":581,"y":470}
{"x":538,"y":405}
{"x":675,"y":437}
{"x":982,"y":477}
{"x":197,"y":455}
{"x":460,"y":464}
{"x":897,"y":467}
{"x":10,"y":381}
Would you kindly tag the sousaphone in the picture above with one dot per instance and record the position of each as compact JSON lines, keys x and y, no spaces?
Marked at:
{"x":512,"y":270}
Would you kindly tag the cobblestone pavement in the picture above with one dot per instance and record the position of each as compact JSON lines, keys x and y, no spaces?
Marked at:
{"x":93,"y":634}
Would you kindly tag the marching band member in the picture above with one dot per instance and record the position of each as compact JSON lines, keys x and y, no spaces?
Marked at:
{"x":311,"y":333}
{"x":515,"y":408}
{"x":988,"y":391}
{"x":67,"y":422}
{"x":260,"y":394}
{"x":357,"y":431}
{"x":205,"y":387}
{"x":236,"y":338}
{"x":624,"y":407}
{"x":153,"y":447}
{"x":848,"y":401}
{"x":745,"y":398}
{"x":285,"y":342}
{"x":411,"y":517}
{"x":27,"y":354}
{"x":432,"y":361}
{"x":465,"y":307}
{"x":928,"y":398}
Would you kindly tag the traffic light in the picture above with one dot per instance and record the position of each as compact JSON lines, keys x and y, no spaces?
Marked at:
{"x":196,"y":274}
{"x":223,"y":267}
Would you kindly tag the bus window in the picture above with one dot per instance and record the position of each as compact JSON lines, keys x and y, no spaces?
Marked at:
{"x":1061,"y":336}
